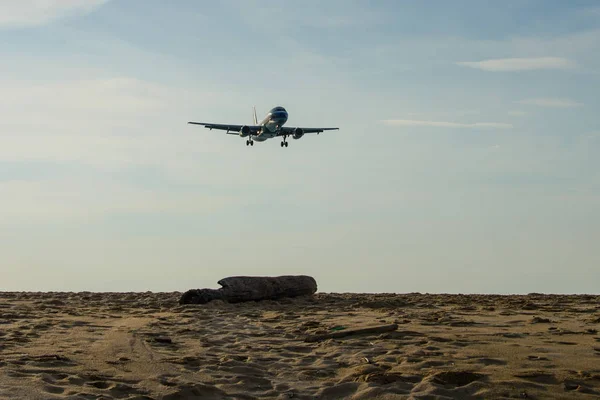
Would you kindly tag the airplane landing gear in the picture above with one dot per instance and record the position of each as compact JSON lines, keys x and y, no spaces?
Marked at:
{"x":249,"y":142}
{"x":284,"y":142}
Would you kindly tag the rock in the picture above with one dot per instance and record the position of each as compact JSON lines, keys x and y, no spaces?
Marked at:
{"x":238,"y":289}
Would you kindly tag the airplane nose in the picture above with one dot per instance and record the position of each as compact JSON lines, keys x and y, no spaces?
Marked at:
{"x":279,"y":116}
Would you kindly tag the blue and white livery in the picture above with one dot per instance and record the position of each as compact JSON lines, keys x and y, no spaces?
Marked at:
{"x":270,"y":127}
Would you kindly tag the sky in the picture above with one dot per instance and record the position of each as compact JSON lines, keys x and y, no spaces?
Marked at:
{"x":466,"y":160}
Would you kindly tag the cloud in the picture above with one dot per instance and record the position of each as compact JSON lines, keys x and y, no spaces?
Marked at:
{"x":24,"y":13}
{"x":104,"y":95}
{"x":105,"y":122}
{"x":519,"y":64}
{"x":78,"y":197}
{"x":442,"y":124}
{"x":517,"y":113}
{"x":95,"y":104}
{"x":328,"y":15}
{"x":550,"y":102}
{"x":111,"y":145}
{"x":593,"y":135}
{"x":594,"y":11}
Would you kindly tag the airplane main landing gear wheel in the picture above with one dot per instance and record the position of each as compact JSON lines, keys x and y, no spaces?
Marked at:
{"x":249,"y":142}
{"x":284,"y":143}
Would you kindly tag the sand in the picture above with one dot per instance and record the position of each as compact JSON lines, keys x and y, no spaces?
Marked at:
{"x":146,"y":346}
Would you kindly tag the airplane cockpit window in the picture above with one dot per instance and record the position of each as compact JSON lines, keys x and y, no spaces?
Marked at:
{"x":279,"y":114}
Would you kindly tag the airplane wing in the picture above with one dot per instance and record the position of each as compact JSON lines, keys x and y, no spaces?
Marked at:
{"x":231,"y":128}
{"x":288,"y":130}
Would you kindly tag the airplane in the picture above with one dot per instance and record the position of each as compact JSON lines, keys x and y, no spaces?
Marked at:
{"x":270,"y":127}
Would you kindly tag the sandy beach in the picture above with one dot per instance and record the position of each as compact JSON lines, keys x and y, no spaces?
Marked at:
{"x":147,"y":346}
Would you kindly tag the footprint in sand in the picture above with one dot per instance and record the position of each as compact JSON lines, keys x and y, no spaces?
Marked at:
{"x":537,"y":358}
{"x":490,"y":361}
{"x":567,"y":343}
{"x":512,"y":335}
{"x":98,"y":384}
{"x":169,"y":380}
{"x":53,"y":378}
{"x":456,"y":378}
{"x":448,"y":379}
{"x":440,"y":339}
{"x":53,"y":389}
{"x":195,"y":391}
{"x":540,"y":320}
{"x":340,"y":391}
{"x":537,"y":376}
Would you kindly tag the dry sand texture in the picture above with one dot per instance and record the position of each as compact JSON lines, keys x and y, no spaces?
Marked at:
{"x":145,"y":346}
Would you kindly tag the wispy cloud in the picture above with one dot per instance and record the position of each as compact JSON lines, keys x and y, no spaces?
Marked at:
{"x":519,"y":64}
{"x":98,"y":121}
{"x":77,"y":198}
{"x":593,"y":135}
{"x":594,"y":11}
{"x":443,"y":124}
{"x":25,"y":13}
{"x":331,"y":14}
{"x":110,"y":95}
{"x":517,"y":113}
{"x":551,"y":102}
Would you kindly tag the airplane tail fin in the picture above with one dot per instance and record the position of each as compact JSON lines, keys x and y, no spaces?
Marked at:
{"x":255,"y":119}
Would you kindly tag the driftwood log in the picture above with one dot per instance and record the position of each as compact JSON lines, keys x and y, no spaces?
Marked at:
{"x":350,"y":332}
{"x":238,"y":289}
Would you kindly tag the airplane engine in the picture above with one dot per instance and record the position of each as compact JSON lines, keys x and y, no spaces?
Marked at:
{"x":298,"y":133}
{"x":245,"y":131}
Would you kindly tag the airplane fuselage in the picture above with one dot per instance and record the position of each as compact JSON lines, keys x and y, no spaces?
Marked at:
{"x":271,"y":124}
{"x":270,"y":127}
